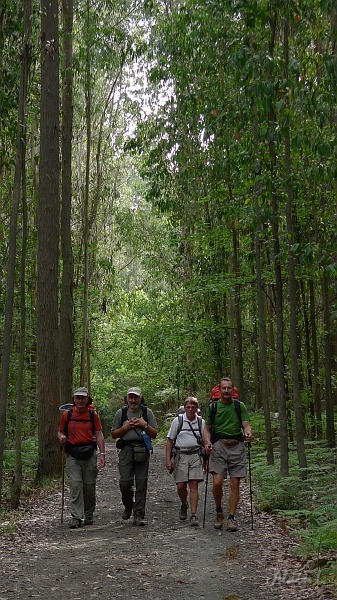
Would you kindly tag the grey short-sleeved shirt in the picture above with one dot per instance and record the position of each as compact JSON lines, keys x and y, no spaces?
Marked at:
{"x":133,"y":435}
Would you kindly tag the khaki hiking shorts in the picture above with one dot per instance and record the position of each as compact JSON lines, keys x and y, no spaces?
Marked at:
{"x":188,"y":467}
{"x":228,"y":460}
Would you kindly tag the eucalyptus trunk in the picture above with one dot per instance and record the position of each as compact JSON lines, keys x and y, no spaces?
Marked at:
{"x":66,"y":300}
{"x":315,"y":354}
{"x":261,"y":309}
{"x":293,"y":325}
{"x":235,"y":334}
{"x":330,"y":426}
{"x":11,"y":264}
{"x":48,"y":246}
{"x":85,"y":317}
{"x":278,"y":288}
{"x":16,"y":483}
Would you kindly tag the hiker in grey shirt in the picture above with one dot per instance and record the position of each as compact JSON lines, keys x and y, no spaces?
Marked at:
{"x":130,"y":423}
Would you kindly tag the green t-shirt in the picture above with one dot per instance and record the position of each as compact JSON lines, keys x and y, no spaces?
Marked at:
{"x":226,"y":420}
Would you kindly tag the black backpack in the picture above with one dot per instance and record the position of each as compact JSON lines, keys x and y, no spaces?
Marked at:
{"x":213,"y":409}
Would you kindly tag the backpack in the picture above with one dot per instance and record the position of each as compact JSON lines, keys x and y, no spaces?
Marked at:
{"x":214,"y":407}
{"x":215,"y":393}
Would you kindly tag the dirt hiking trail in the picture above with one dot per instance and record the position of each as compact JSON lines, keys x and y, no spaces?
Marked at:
{"x":165,"y":560}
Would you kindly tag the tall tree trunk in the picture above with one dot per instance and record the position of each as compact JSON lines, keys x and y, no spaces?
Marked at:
{"x":10,"y":275}
{"x":316,"y":376}
{"x":48,"y":245}
{"x":280,"y":375}
{"x":66,"y":302}
{"x":262,"y":333}
{"x":309,"y":383}
{"x":85,"y":323}
{"x":302,"y":460}
{"x":235,"y":332}
{"x":17,"y":478}
{"x":236,"y":321}
{"x":330,"y":427}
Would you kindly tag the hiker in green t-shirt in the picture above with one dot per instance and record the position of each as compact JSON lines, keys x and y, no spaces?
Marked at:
{"x":224,"y":442}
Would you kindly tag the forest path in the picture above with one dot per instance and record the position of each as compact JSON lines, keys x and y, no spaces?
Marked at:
{"x":166,"y":560}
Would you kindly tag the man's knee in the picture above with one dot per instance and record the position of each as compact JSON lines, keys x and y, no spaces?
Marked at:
{"x":217,"y":480}
{"x":235,"y":483}
{"x":125,"y":484}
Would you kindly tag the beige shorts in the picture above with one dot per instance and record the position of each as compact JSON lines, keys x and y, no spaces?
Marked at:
{"x":188,"y":467}
{"x":228,"y":459}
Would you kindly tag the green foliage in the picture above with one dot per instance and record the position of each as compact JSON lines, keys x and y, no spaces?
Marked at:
{"x":284,"y":494}
{"x":309,"y":506}
{"x":29,"y":466}
{"x":29,"y":456}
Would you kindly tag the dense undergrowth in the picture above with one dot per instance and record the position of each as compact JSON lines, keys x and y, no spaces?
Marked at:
{"x":307,"y":503}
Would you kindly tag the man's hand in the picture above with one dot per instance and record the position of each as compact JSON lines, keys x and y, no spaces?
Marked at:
{"x":62,"y":438}
{"x":208,"y":448}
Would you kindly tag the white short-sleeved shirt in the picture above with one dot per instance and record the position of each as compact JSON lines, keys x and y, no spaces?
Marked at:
{"x":185,"y":438}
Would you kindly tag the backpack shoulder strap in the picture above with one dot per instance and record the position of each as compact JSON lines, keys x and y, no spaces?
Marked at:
{"x":69,"y":415}
{"x":144,"y":412}
{"x":92,"y":419}
{"x":197,"y":437}
{"x":214,"y":407}
{"x":180,"y":426}
{"x":237,"y":407}
{"x":124,"y":413}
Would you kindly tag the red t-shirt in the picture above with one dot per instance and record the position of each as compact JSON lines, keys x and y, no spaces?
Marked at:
{"x":79,"y":426}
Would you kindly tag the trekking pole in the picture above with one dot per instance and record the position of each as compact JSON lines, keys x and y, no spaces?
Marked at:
{"x":207,"y":471}
{"x":63,"y":408}
{"x":250,"y":486}
{"x":62,"y":501}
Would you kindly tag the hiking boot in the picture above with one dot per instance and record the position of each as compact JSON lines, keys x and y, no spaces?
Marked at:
{"x":231,"y":524}
{"x":126,"y":514}
{"x":183,"y":512}
{"x":194,"y":521}
{"x":218,"y":520}
{"x":88,"y":521}
{"x":75,"y":523}
{"x":138,"y":520}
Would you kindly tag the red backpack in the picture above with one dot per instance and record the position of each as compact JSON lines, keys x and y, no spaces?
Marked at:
{"x":215,"y":393}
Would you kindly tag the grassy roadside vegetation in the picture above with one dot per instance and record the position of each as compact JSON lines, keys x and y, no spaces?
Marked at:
{"x":8,"y":517}
{"x":308,"y":505}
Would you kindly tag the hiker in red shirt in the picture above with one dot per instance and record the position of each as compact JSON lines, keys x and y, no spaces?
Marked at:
{"x":81,"y":431}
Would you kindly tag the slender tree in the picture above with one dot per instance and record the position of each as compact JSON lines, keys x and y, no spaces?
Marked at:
{"x":66,"y":301}
{"x":48,"y":245}
{"x":10,"y":279}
